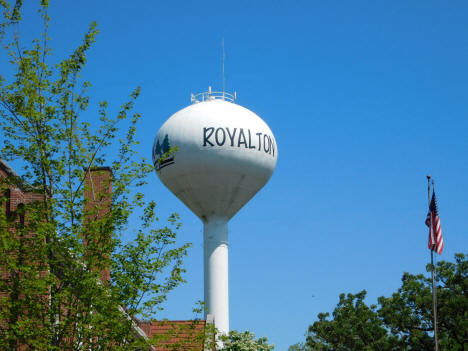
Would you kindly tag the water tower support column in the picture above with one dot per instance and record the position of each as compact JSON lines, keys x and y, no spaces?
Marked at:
{"x":216,"y":272}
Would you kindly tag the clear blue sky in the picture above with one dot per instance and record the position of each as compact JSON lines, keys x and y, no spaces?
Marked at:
{"x":364,"y":97}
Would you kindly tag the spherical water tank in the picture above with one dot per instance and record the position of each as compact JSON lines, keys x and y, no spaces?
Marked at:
{"x":225,"y":155}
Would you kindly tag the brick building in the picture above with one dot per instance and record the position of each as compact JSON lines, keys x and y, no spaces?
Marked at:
{"x":171,"y":335}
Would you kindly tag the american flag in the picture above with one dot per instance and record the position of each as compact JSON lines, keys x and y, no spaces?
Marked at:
{"x":436,"y":243}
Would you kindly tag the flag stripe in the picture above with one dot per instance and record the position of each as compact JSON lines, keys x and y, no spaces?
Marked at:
{"x":436,"y":242}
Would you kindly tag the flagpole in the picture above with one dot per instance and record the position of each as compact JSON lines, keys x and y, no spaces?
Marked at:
{"x":434,"y":295}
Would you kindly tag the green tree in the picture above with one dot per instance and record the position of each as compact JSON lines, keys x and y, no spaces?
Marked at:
{"x":402,"y":321}
{"x":408,"y":312}
{"x":300,"y":346}
{"x":354,"y":326}
{"x":244,"y":341}
{"x":53,"y":249}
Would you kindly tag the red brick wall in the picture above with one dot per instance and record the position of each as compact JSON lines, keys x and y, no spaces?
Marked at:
{"x":12,"y":199}
{"x":98,"y":201}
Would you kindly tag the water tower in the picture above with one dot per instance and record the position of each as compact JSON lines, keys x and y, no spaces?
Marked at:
{"x":224,"y":155}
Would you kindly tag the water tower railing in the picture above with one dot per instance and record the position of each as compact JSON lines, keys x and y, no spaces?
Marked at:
{"x":212,"y":95}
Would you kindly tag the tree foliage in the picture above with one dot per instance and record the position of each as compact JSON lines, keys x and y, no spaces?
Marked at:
{"x":51,"y":253}
{"x":408,"y":312}
{"x":354,"y":326}
{"x":244,"y":341}
{"x":402,"y":321}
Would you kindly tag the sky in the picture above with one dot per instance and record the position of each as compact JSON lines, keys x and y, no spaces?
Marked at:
{"x":365,"y":98}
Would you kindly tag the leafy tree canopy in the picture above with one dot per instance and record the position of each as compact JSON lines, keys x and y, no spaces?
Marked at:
{"x":402,"y":321}
{"x":52,"y":250}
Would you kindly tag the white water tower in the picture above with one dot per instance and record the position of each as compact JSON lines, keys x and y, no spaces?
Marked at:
{"x":225,"y":155}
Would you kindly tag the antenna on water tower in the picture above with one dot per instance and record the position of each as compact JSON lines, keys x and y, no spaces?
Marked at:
{"x":224,"y":59}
